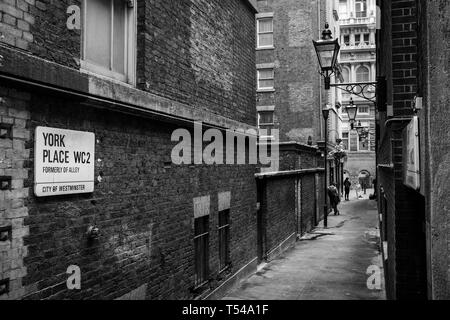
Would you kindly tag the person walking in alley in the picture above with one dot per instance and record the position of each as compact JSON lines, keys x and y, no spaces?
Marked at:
{"x":333,"y":194}
{"x":364,"y":186}
{"x":358,"y":190}
{"x":347,"y":185}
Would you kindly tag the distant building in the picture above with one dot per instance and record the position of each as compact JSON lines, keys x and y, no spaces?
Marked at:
{"x":357,"y":21}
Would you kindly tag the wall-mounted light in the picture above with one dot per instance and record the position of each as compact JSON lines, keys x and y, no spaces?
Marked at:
{"x":417,"y":104}
{"x":5,"y":183}
{"x":5,"y":131}
{"x":351,"y":112}
{"x":93,"y":233}
{"x":327,"y":51}
{"x":5,"y":233}
{"x":4,"y":286}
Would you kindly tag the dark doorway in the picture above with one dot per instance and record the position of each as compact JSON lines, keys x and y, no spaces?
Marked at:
{"x":260,"y":221}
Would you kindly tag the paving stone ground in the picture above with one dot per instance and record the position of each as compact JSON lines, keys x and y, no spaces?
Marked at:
{"x":326,"y":264}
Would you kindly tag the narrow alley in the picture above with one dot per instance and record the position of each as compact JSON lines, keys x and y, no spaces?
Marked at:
{"x":326,"y":263}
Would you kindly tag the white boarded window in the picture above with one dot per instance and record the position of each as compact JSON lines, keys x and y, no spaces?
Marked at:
{"x":265,"y":32}
{"x":266,"y":79}
{"x":109,"y":33}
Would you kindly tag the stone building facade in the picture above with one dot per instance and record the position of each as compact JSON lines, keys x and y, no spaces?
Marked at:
{"x":72,"y":65}
{"x":413,"y":62}
{"x":357,"y":22}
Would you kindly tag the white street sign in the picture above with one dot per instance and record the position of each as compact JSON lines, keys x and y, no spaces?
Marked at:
{"x":64,"y":162}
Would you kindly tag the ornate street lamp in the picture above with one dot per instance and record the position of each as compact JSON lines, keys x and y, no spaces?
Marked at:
{"x":327,"y":51}
{"x":362,"y":131}
{"x":351,"y":112}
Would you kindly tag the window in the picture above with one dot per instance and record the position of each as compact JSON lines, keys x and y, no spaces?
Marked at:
{"x":363,"y":110}
{"x":266,"y":79}
{"x":224,"y":239}
{"x":353,"y":141}
{"x":265,"y":118}
{"x":363,"y":143}
{"x":357,"y":39}
{"x":362,"y":74}
{"x":201,"y":248}
{"x":345,"y":140}
{"x":265,"y":32}
{"x":347,"y":40}
{"x":367,"y":38}
{"x":265,"y":123}
{"x":109,"y":33}
{"x":343,"y":9}
{"x":361,"y":8}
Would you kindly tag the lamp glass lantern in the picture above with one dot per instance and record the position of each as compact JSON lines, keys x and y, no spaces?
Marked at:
{"x":327,"y":51}
{"x":359,"y":128}
{"x":351,"y":112}
{"x":362,"y":131}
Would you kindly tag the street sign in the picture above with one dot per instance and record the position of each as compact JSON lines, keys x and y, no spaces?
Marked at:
{"x":64,"y":162}
{"x":411,"y":156}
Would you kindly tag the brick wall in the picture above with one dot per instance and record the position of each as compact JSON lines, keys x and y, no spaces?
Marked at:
{"x":14,"y":162}
{"x":197,"y":52}
{"x":143,"y":205}
{"x":308,"y":203}
{"x":295,"y":156}
{"x":405,"y":213}
{"x":296,"y":97}
{"x":404,"y":55}
{"x":292,"y":207}
{"x":143,"y":208}
{"x":280,"y":211}
{"x":201,"y":53}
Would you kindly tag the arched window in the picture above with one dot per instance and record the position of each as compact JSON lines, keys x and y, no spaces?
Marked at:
{"x":362,"y":74}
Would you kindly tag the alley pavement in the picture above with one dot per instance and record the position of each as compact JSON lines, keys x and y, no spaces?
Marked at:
{"x":326,"y":264}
